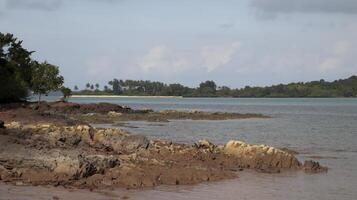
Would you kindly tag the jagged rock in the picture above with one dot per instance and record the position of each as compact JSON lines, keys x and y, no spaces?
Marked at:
{"x":66,"y":165}
{"x":291,"y":151}
{"x":4,"y":173}
{"x":132,"y":143}
{"x":84,"y":165}
{"x":261,"y":156}
{"x":114,"y":114}
{"x":313,"y":167}
{"x":14,"y":125}
{"x":205,"y":144}
{"x":90,"y":165}
{"x":2,"y":124}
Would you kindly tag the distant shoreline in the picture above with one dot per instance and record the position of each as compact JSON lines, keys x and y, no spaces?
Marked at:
{"x":122,"y":96}
{"x":180,"y":97}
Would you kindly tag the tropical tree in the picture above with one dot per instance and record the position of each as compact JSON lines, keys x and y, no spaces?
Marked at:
{"x":66,"y":93}
{"x":207,"y":89}
{"x":45,"y":78}
{"x":15,"y":69}
{"x":116,"y":86}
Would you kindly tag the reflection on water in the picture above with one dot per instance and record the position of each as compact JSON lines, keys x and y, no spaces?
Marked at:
{"x":319,"y":128}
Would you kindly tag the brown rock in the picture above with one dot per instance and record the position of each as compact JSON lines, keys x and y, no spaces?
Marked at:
{"x":2,"y":124}
{"x":313,"y":167}
{"x":261,"y":156}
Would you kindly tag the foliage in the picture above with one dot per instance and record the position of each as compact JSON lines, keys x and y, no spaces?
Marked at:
{"x":45,"y":78}
{"x":116,"y":86}
{"x":20,"y":74}
{"x":15,"y":69}
{"x":66,"y":92}
{"x":339,"y":88}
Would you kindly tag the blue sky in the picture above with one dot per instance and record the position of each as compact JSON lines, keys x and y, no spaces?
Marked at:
{"x":235,"y":43}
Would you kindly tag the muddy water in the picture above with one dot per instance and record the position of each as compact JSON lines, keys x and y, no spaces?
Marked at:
{"x":322,"y":129}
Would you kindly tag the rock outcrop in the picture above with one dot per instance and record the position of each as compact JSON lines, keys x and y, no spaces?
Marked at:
{"x":2,"y":124}
{"x":83,"y":156}
{"x":261,"y":156}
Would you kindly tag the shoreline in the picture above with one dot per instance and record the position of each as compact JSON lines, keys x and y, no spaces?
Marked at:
{"x":181,"y":97}
{"x":123,"y":96}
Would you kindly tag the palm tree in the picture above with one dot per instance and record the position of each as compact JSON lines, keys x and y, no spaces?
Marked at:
{"x":106,"y":88}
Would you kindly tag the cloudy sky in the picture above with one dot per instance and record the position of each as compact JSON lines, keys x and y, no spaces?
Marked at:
{"x":235,"y":43}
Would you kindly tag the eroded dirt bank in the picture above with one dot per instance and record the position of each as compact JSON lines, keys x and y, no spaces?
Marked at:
{"x":46,"y":146}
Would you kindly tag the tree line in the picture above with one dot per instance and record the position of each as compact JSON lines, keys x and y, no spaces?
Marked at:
{"x":21,"y":76}
{"x":338,"y":88}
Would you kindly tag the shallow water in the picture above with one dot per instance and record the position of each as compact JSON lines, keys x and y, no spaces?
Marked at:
{"x":315,"y":127}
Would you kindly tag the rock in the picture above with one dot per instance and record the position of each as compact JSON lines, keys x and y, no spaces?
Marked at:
{"x":289,"y":151}
{"x":14,"y":125}
{"x":205,"y":144}
{"x":4,"y":173}
{"x":45,"y":126}
{"x":194,"y":112}
{"x":132,"y":143}
{"x":90,"y":165}
{"x":313,"y":167}
{"x":83,"y":128}
{"x":84,"y":165}
{"x":261,"y":156}
{"x":2,"y":124}
{"x":66,"y":165}
{"x":114,"y":114}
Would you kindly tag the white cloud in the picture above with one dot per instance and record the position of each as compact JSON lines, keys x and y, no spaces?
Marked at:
{"x":160,"y":58}
{"x":214,"y":57}
{"x":164,"y":60}
{"x":338,"y":57}
{"x":100,"y":67}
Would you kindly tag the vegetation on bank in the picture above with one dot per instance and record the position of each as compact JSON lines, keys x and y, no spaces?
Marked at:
{"x":20,"y":75}
{"x":339,"y":88}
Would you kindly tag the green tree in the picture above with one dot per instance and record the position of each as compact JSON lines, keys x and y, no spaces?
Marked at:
{"x":207,"y":89}
{"x":66,"y":93}
{"x":88,"y":86}
{"x":116,"y":86}
{"x":15,"y":69}
{"x":92,"y":87}
{"x":75,"y":87}
{"x":45,"y":78}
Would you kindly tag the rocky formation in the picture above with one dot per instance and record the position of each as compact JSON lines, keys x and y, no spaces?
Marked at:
{"x":261,"y":156}
{"x":267,"y":159}
{"x":2,"y":124}
{"x":66,"y":113}
{"x":83,"y":156}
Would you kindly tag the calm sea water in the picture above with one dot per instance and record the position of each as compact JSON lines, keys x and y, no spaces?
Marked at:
{"x":314,"y":127}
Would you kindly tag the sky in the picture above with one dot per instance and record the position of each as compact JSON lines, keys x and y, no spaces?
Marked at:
{"x":235,"y":43}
